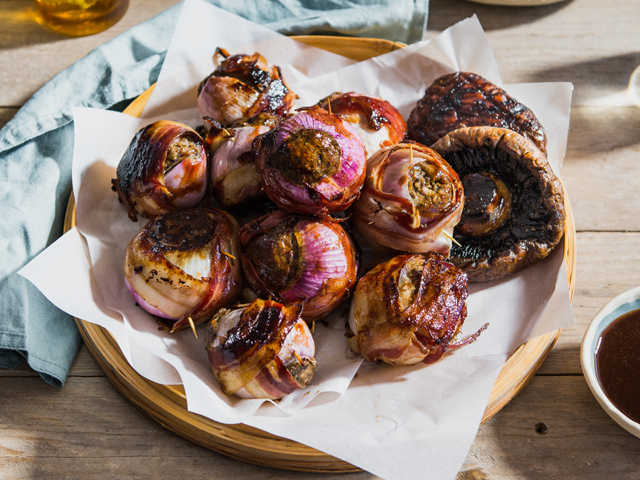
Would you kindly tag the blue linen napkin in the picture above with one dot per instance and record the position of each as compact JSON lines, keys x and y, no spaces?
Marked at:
{"x":36,"y":148}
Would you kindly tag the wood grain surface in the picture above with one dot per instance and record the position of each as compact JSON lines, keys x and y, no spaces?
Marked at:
{"x":553,"y":429}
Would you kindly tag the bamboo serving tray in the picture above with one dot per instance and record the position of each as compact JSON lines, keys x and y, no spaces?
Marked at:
{"x":167,"y":404}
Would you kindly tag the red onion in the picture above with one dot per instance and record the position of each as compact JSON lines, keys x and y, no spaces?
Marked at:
{"x":408,"y":310}
{"x":299,"y":259}
{"x":243,"y":86}
{"x":378,"y":123}
{"x":184,"y":265}
{"x":233,"y":172}
{"x":262,"y":351}
{"x":411,"y":200}
{"x":312,"y":163}
{"x":164,"y":169}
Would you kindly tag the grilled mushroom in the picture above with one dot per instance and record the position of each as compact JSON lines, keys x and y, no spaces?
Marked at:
{"x":465,"y":99}
{"x":514,"y":213}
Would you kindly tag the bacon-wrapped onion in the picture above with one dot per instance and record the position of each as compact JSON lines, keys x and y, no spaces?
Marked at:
{"x":299,"y":259}
{"x":233,"y":172}
{"x":408,"y":310}
{"x":243,"y":86}
{"x":378,"y":123}
{"x":182,"y":266}
{"x":164,"y":169}
{"x":263,"y":351}
{"x":312,"y":163}
{"x":411,"y":200}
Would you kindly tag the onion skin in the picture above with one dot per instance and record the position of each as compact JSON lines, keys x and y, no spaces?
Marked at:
{"x":234,"y":178}
{"x":243,"y":86}
{"x":386,"y":214}
{"x":167,"y":290}
{"x":408,"y":310}
{"x":378,"y":123}
{"x":311,"y":190}
{"x":318,"y":269}
{"x":263,"y":351}
{"x":143,"y":183}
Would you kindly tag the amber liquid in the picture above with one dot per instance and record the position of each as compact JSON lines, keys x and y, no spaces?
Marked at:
{"x":80,"y":17}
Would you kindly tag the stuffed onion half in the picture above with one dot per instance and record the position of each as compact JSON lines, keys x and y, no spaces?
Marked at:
{"x":262,"y":351}
{"x":164,"y":169}
{"x":313,"y":163}
{"x":295,"y":258}
{"x":411,"y":200}
{"x":408,"y":310}
{"x":183,"y":266}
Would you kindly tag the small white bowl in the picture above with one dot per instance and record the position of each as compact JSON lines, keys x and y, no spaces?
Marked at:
{"x":623,"y":303}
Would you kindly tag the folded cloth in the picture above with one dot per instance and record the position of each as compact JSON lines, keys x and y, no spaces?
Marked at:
{"x":36,"y":148}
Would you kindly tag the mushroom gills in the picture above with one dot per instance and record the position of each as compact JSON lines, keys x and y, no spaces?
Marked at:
{"x":528,"y":214}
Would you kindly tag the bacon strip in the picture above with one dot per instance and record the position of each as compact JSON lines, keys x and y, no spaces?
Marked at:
{"x":409,"y":309}
{"x":247,"y":358}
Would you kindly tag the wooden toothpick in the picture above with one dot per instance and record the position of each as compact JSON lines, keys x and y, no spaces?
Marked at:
{"x":193,"y":327}
{"x":451,"y":238}
{"x":228,"y":254}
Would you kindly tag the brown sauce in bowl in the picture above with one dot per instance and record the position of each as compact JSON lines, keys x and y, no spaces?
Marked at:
{"x":617,"y":359}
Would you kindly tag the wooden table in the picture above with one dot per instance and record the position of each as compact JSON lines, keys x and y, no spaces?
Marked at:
{"x":553,"y":429}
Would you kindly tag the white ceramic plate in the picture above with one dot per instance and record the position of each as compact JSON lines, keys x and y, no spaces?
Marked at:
{"x":626,"y":302}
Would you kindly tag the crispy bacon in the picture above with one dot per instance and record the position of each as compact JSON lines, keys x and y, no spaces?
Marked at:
{"x":411,"y":200}
{"x":243,"y":86}
{"x":155,"y":260}
{"x":164,"y":169}
{"x":378,"y":123}
{"x":263,"y":351}
{"x":408,"y":310}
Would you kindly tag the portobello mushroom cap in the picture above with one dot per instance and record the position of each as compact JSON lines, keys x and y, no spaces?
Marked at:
{"x":464,"y":99}
{"x":533,"y":223}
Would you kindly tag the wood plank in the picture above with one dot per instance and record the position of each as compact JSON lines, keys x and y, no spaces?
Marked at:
{"x":581,"y":440}
{"x":600,"y":168}
{"x":607,"y":266}
{"x":571,"y":41}
{"x":6,"y":114}
{"x":31,"y":55}
{"x":602,"y":61}
{"x":87,"y":428}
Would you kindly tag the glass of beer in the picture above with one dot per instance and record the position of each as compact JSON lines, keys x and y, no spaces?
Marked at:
{"x":80,"y":17}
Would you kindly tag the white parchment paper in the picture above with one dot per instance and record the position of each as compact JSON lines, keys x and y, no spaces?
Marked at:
{"x":390,"y":421}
